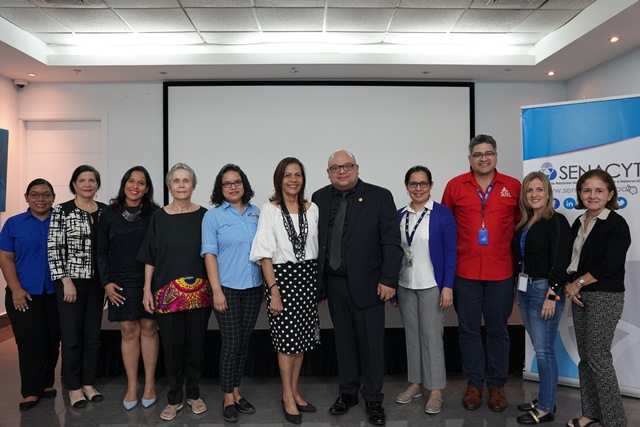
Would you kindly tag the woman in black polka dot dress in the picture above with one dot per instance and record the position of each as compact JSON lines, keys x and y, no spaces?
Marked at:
{"x":286,"y":246}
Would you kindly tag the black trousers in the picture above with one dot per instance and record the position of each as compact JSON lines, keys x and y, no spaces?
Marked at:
{"x":80,"y":328}
{"x":359,"y":342}
{"x":183,"y":336}
{"x":37,"y":333}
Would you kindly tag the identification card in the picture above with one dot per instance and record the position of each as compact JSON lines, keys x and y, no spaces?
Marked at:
{"x":483,"y":237}
{"x":408,"y":258}
{"x":523,"y":281}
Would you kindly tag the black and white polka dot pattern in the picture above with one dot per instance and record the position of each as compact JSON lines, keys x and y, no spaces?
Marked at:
{"x":294,"y":330}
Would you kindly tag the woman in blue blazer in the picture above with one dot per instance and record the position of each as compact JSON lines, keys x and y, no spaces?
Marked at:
{"x":428,"y":232}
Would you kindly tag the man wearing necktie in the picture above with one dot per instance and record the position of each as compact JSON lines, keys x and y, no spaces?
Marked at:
{"x":359,"y":265}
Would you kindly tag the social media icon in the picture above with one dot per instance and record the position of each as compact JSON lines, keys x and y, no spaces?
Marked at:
{"x":569,"y":203}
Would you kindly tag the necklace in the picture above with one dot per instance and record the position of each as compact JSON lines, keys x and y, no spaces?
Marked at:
{"x":132,"y":216}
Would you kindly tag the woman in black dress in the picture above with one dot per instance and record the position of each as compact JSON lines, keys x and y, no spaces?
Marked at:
{"x":122,"y":227}
{"x":177,"y":290}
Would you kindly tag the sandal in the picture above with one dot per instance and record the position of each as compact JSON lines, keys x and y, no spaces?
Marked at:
{"x":170,"y":411}
{"x":576,"y":422}
{"x":197,"y":405}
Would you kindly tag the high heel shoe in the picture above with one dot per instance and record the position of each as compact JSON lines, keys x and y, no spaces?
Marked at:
{"x":148,"y":402}
{"x":92,"y":394}
{"x":77,"y":403}
{"x":292,"y":418}
{"x":129,"y":405}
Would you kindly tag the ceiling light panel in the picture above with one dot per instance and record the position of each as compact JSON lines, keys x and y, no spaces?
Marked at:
{"x":224,"y":19}
{"x":156,"y":20}
{"x":424,"y":20}
{"x":366,"y":20}
{"x":290,"y":19}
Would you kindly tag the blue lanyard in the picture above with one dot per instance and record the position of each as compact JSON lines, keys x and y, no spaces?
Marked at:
{"x":523,"y":239}
{"x":484,"y":198}
{"x":415,"y":227}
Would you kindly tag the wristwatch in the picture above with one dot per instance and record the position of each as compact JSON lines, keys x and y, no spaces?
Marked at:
{"x":581,"y":282}
{"x":552,"y":297}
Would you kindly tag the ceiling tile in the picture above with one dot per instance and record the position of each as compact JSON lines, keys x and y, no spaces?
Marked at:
{"x":424,"y":20}
{"x":364,"y":3}
{"x":507,"y":4}
{"x":32,"y":19}
{"x":156,"y":20}
{"x":290,"y":3}
{"x":545,"y":21}
{"x":292,"y":19}
{"x":216,"y":3}
{"x":93,"y":4}
{"x":141,"y":4}
{"x":367,"y":20}
{"x":16,"y":3}
{"x":567,"y":4}
{"x":89,"y":20}
{"x":490,"y":21}
{"x":436,"y":4}
{"x":223,"y":19}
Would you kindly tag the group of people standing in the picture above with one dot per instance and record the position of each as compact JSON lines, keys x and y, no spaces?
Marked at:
{"x":167,"y":268}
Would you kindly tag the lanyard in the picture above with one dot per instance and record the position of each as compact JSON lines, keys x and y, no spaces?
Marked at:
{"x":415,"y":227}
{"x":523,"y":239}
{"x":484,"y":199}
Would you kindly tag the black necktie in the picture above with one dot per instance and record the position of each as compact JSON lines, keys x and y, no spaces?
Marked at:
{"x":335,"y":257}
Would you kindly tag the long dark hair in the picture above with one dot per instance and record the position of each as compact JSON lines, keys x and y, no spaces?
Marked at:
{"x":216,"y":195}
{"x":148,"y":205}
{"x":278,"y":176}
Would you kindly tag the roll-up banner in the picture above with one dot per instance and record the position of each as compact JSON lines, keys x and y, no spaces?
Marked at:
{"x":564,"y":141}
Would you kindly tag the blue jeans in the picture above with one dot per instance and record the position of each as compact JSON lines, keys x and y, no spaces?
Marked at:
{"x":543,"y":336}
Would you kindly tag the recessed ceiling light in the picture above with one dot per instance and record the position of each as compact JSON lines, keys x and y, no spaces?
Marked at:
{"x":614,"y":39}
{"x":32,"y":74}
{"x":551,"y":73}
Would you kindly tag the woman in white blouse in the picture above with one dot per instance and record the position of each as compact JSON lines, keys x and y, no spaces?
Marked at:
{"x":286,"y":246}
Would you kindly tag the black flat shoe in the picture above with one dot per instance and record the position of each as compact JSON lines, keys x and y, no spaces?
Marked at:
{"x":244,"y":406}
{"x":343,"y":403}
{"x":526,"y":407}
{"x":375,"y":411}
{"x":292,"y":418}
{"x":533,"y":417}
{"x":229,"y":413}
{"x":25,"y":406}
{"x":307,"y":408}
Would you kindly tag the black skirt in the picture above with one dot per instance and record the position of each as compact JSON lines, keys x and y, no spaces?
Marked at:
{"x":297,"y":328}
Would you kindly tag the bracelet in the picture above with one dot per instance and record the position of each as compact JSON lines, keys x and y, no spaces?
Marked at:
{"x":552,"y":297}
{"x":269,"y":287}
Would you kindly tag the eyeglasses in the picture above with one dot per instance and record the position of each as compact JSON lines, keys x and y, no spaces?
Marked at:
{"x":35,"y":196}
{"x":422,"y":184}
{"x":347,"y":167}
{"x":488,"y":155}
{"x":228,"y":184}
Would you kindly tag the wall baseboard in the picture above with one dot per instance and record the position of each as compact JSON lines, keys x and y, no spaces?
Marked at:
{"x":4,"y":321}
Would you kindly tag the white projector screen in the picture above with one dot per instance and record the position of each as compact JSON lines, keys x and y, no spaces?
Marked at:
{"x":389,"y":127}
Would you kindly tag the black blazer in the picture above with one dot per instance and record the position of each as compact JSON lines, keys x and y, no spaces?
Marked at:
{"x":373,"y":252}
{"x":604,"y":253}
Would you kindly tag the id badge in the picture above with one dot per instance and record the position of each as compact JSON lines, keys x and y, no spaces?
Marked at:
{"x":408,"y":258}
{"x":483,"y":237}
{"x":523,"y":281}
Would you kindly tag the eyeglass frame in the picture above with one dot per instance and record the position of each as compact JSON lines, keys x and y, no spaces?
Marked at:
{"x":347,"y":167}
{"x":487,"y":155}
{"x":421,"y":184}
{"x":238,"y":183}
{"x":44,"y":196}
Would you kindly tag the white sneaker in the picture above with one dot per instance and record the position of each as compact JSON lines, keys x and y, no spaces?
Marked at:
{"x":409,"y":394}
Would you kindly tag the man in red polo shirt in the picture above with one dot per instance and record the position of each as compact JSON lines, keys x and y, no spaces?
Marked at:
{"x":484,"y":203}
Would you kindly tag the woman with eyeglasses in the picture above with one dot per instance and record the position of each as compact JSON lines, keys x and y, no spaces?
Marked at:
{"x":72,"y":253}
{"x":30,"y":297}
{"x":176,"y":289}
{"x":428,"y":232}
{"x":286,"y":246}
{"x":227,"y":232}
{"x":122,"y":227}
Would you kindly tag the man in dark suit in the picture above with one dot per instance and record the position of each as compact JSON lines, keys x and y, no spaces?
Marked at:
{"x":359,"y":265}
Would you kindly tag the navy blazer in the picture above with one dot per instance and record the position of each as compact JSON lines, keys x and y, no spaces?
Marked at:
{"x":443,"y":233}
{"x":372,"y":250}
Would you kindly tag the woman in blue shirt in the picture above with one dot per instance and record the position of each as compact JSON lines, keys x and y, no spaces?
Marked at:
{"x":30,"y":297}
{"x":227,"y":232}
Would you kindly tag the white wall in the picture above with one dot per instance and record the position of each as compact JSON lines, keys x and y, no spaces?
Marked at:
{"x":615,"y":78}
